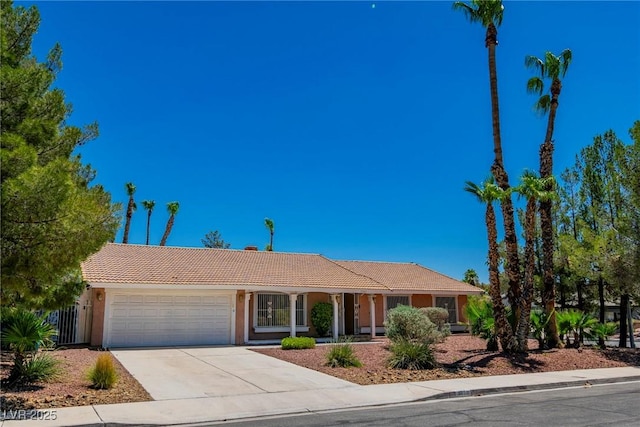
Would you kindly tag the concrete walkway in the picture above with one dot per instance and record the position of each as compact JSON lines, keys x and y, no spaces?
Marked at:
{"x":253,"y":394}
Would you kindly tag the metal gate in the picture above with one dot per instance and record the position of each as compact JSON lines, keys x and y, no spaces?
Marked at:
{"x":72,"y":323}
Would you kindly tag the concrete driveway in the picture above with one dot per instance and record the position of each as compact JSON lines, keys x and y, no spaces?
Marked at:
{"x":183,"y":373}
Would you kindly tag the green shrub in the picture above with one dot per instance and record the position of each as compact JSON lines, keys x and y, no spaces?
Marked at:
{"x":24,"y":334}
{"x":411,"y":355}
{"x":538,"y":323}
{"x":479,"y":313}
{"x":297,"y":343}
{"x":439,"y":317}
{"x":321,"y":318}
{"x":41,"y":367}
{"x":602,"y":331}
{"x":341,"y":355}
{"x":574,"y":322}
{"x":103,"y":374}
{"x":410,"y":324}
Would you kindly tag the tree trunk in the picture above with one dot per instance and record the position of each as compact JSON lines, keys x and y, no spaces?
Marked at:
{"x":601,"y":342}
{"x":167,"y":230}
{"x":624,"y":304}
{"x":512,"y":266}
{"x":148,"y":224}
{"x":127,"y":223}
{"x":503,"y":329}
{"x":529,"y":267}
{"x":546,"y":223}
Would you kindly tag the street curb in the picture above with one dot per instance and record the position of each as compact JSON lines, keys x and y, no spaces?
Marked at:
{"x":531,"y":387}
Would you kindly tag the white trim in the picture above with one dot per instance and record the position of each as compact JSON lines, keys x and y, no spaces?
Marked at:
{"x":266,"y":329}
{"x":367,"y":329}
{"x":395,"y":295}
{"x":455,"y":298}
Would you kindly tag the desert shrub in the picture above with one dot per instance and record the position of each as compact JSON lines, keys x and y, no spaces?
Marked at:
{"x":297,"y":343}
{"x":479,"y":313}
{"x":25,"y":334}
{"x":411,"y":355}
{"x":103,"y":374}
{"x":341,"y":354}
{"x":410,"y":324}
{"x":321,"y":318}
{"x":41,"y":367}
{"x":439,"y":317}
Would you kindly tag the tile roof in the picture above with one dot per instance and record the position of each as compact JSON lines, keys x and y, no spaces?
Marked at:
{"x":399,"y":276}
{"x":139,"y":264}
{"x":166,"y":265}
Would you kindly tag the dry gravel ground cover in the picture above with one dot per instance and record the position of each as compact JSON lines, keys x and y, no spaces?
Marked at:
{"x":72,"y":388}
{"x":459,"y":356}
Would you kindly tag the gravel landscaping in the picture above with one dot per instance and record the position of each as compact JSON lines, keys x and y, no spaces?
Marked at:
{"x":72,"y":387}
{"x":459,"y":356}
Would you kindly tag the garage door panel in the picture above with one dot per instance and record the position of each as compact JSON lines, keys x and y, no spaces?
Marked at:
{"x":166,"y":319}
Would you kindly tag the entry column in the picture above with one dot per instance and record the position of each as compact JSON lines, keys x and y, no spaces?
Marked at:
{"x":372,"y":314}
{"x":247,"y":298}
{"x":334,"y":300}
{"x":292,"y":313}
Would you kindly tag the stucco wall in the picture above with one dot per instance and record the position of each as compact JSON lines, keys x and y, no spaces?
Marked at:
{"x":421,"y":300}
{"x":364,"y":313}
{"x":239,"y":338}
{"x":97,"y":323}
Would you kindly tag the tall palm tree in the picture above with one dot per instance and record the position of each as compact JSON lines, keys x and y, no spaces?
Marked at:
{"x":131,"y":207}
{"x":148,"y":206}
{"x":488,"y":193}
{"x":172,"y":208}
{"x":489,"y":13}
{"x":533,"y":189}
{"x":271,"y":227}
{"x":551,"y":68}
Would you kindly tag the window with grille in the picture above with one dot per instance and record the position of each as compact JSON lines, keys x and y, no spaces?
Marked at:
{"x":395,"y":300}
{"x":449,"y":304}
{"x":273,"y":310}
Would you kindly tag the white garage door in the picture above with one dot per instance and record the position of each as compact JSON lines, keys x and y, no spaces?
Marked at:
{"x":164,"y":319}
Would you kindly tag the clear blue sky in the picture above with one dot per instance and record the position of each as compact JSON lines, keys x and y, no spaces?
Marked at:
{"x":353,"y":127}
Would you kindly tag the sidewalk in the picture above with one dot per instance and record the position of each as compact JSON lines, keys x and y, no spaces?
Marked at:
{"x":212,"y":409}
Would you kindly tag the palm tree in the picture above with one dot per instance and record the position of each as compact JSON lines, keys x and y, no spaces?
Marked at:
{"x":489,"y":193}
{"x":148,"y":206}
{"x":533,"y":189}
{"x":271,"y":227}
{"x":172,"y":207}
{"x":131,"y":207}
{"x":489,"y":13}
{"x":553,"y":68}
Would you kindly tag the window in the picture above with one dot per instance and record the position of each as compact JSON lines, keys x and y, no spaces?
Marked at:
{"x":395,"y":300}
{"x":449,"y":304}
{"x":273,"y":310}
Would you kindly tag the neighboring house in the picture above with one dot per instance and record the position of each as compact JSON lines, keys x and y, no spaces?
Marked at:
{"x":159,"y":295}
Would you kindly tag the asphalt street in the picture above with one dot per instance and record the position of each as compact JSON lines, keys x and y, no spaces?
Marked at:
{"x":613,"y":404}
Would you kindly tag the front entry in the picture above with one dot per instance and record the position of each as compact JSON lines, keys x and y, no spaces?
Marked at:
{"x":349,"y":314}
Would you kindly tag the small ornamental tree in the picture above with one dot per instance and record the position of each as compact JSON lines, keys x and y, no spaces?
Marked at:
{"x":321,"y":318}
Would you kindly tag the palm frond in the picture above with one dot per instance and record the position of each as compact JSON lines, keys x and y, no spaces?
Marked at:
{"x":543,"y":105}
{"x":565,"y":60}
{"x":468,"y":11}
{"x":131,"y":188}
{"x":534,"y":63}
{"x":173,"y":207}
{"x":535,"y":85}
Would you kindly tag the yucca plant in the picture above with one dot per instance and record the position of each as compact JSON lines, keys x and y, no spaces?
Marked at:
{"x":411,"y":355}
{"x":341,"y":355}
